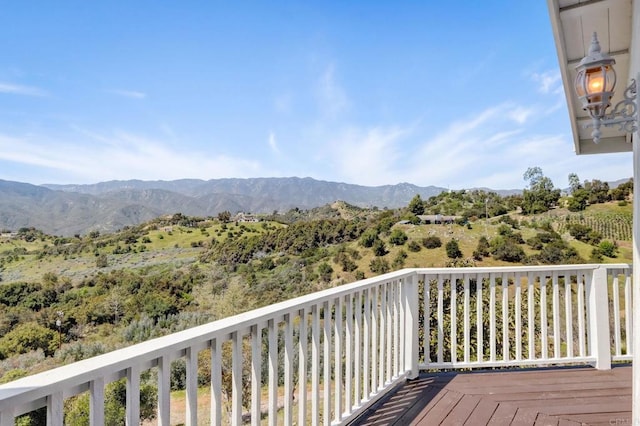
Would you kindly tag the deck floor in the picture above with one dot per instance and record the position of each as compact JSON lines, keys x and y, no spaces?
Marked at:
{"x":556,"y":396}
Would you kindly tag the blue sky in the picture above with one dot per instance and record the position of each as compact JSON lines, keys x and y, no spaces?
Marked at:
{"x":453,"y":94}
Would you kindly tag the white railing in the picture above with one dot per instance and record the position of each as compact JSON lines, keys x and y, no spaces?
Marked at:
{"x":528,"y":316}
{"x":326,"y":357}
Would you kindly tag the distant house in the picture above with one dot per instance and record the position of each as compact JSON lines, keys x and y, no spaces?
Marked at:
{"x":438,"y":219}
{"x":244,"y":217}
{"x":9,"y":235}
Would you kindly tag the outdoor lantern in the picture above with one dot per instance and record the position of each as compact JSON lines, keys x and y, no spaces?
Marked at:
{"x":596,"y":80}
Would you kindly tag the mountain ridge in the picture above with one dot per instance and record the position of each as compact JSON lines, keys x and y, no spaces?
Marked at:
{"x":107,"y":206}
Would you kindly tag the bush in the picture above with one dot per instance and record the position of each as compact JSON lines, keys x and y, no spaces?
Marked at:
{"x":453,"y":250}
{"x":413,"y":246}
{"x":28,"y":337}
{"x":535,"y":243}
{"x":379,"y":249}
{"x":579,"y":232}
{"x":325,"y":270}
{"x":432,"y":242}
{"x":509,"y":221}
{"x":398,"y":237}
{"x":596,"y":255}
{"x":368,"y":238}
{"x":504,"y":229}
{"x":608,"y":248}
{"x":509,"y":252}
{"x":398,"y":262}
{"x":102,"y":261}
{"x":483,"y":249}
{"x":379,"y":265}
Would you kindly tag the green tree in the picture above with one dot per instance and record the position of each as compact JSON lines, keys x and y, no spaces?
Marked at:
{"x":224,"y":216}
{"x":598,"y":191}
{"x":541,"y":194}
{"x":578,"y":200}
{"x":483,"y":249}
{"x":453,"y":249}
{"x":416,"y":205}
{"x":622,"y":191}
{"x":574,"y":183}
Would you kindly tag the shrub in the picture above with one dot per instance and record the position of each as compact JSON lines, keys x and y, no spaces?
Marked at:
{"x":325,"y":270}
{"x":398,"y":237}
{"x":579,"y":231}
{"x":379,"y":249}
{"x":102,"y":261}
{"x":413,"y":246}
{"x":368,"y":238}
{"x":596,"y":255}
{"x":432,"y":242}
{"x":509,"y":252}
{"x":453,"y":250}
{"x":379,"y":265}
{"x":483,"y":248}
{"x":28,"y":337}
{"x":398,"y":262}
{"x":608,"y":248}
{"x":504,"y":229}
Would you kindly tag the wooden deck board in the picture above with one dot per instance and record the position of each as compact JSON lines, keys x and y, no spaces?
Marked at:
{"x":560,"y":396}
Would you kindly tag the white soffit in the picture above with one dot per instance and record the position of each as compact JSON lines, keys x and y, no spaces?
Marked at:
{"x":573,"y":23}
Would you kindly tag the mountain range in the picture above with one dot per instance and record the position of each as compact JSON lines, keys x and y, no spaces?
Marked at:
{"x":107,"y":206}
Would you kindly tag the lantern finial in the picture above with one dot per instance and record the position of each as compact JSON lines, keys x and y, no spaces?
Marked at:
{"x":595,"y":44}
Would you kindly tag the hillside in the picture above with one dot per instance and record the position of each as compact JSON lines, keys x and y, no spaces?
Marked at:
{"x":109,"y":290}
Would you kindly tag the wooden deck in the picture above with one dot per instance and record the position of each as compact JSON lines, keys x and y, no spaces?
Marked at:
{"x":557,"y":396}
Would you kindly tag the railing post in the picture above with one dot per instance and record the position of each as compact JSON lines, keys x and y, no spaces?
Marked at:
{"x":411,"y":351}
{"x":6,"y":417}
{"x":55,"y":410}
{"x":599,"y":339}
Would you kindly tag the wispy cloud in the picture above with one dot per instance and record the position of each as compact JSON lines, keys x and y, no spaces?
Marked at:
{"x":272,"y":143}
{"x":548,"y":81}
{"x":367,"y":156}
{"x":17,"y":89}
{"x":94,"y":157}
{"x":332,"y":98}
{"x":133,"y":94}
{"x":521,"y":114}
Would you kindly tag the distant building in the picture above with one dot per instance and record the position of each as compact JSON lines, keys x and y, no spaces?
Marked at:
{"x":438,"y":219}
{"x":245,"y":217}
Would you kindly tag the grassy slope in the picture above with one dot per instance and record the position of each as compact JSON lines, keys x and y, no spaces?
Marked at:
{"x":175,"y":245}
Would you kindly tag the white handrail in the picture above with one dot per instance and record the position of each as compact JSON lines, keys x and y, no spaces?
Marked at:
{"x":355,"y":342}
